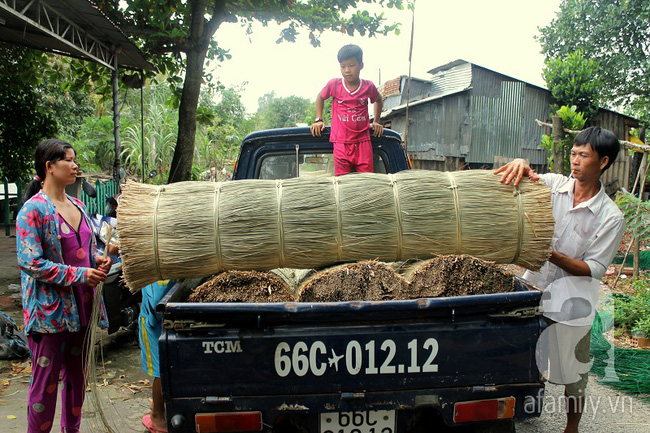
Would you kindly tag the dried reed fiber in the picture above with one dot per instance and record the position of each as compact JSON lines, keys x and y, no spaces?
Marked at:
{"x":363,"y":281}
{"x":191,"y":229}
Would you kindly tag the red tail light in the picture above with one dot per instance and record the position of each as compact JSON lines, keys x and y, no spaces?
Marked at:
{"x":483,"y":410}
{"x":228,"y":422}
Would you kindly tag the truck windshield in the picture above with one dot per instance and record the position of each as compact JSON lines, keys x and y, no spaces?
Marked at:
{"x":283,"y":166}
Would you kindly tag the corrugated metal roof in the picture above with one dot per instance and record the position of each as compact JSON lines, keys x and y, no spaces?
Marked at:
{"x":453,"y":79}
{"x":387,"y":114}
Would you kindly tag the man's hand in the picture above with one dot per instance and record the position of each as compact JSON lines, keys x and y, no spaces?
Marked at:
{"x":572,"y":266}
{"x":94,"y":277}
{"x":516,"y":170}
{"x":317,"y":128}
{"x":377,"y":129}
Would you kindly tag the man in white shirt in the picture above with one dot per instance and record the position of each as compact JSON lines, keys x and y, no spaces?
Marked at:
{"x":588,"y":230}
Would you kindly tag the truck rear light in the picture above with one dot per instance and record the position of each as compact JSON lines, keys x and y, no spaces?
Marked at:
{"x":483,"y":410}
{"x":228,"y":422}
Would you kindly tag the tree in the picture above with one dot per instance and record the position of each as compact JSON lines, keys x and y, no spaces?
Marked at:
{"x":23,"y":119}
{"x":274,"y":112}
{"x":615,"y":34}
{"x":180,"y":33}
{"x":574,"y":81}
{"x":573,"y":120}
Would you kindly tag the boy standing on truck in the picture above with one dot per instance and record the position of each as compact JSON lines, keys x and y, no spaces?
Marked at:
{"x":350,"y":134}
{"x":588,"y":230}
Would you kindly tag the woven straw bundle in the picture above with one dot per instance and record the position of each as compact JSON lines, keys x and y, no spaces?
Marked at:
{"x":191,"y":229}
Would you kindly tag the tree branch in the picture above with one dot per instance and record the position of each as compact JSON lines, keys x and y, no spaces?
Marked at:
{"x":627,"y":144}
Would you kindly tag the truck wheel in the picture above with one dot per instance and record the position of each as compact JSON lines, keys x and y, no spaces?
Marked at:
{"x":506,"y":426}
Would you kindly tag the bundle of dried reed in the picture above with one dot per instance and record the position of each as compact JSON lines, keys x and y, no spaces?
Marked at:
{"x":192,"y":229}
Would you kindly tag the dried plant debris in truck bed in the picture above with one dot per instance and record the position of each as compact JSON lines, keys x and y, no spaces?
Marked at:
{"x":455,"y":275}
{"x":361,"y":281}
{"x":243,"y":286}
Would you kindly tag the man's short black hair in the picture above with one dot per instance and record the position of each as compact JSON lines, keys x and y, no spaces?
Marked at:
{"x":349,"y":51}
{"x":603,"y":141}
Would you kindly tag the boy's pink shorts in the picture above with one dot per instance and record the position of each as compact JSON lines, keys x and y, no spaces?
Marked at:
{"x":357,"y":156}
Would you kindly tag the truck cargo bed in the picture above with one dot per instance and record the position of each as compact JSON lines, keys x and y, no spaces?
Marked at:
{"x":323,"y":357}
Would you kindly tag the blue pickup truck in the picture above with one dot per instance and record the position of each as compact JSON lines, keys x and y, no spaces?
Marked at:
{"x":459,"y":363}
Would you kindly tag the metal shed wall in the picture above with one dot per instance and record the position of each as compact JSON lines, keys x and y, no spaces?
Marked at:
{"x":619,"y":171}
{"x":504,"y":126}
{"x":492,"y":118}
{"x":438,"y":129}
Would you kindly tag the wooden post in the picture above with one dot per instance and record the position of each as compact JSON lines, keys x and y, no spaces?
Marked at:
{"x":643,"y":171}
{"x":635,"y":164}
{"x":558,"y":136}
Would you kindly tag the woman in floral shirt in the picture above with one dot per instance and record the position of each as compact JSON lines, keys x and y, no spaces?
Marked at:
{"x":58,"y":274}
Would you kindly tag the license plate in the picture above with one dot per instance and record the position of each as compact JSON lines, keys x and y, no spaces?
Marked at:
{"x":369,"y":421}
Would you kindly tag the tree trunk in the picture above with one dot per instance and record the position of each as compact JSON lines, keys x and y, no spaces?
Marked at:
{"x":201,"y":32}
{"x":181,"y":166}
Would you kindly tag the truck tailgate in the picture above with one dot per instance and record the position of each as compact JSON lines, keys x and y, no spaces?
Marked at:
{"x":347,"y":347}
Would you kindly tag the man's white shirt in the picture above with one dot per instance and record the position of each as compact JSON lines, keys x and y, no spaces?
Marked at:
{"x":590,"y":231}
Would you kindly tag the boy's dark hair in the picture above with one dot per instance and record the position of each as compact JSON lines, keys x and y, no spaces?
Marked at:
{"x":603,"y":141}
{"x":349,"y":51}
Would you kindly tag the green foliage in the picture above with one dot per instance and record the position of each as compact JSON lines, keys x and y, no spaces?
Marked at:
{"x":615,"y":34}
{"x":636,"y":213}
{"x":574,"y":81}
{"x":639,"y":108}
{"x":571,"y":119}
{"x":642,"y":327}
{"x":68,"y":106}
{"x":631,"y":312}
{"x":327,"y":113}
{"x":24,"y":120}
{"x":160,"y":129}
{"x":275,"y":112}
{"x":95,"y":144}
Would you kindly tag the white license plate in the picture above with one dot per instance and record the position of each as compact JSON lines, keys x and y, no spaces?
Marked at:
{"x":369,"y":421}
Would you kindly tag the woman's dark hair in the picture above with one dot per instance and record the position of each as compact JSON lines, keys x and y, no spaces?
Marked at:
{"x":603,"y":141}
{"x":349,"y":51}
{"x":52,"y":150}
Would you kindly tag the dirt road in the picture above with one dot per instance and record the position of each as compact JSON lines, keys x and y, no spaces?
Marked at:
{"x":124,"y":390}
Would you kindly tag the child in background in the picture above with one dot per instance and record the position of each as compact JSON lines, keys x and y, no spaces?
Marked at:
{"x":150,"y":331}
{"x":350,"y":132}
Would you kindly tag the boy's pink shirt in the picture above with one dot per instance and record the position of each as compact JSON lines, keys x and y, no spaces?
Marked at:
{"x":350,"y":118}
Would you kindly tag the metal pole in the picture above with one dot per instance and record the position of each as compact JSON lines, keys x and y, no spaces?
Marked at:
{"x":142,"y":129}
{"x":7,"y":215}
{"x":408,"y":82}
{"x":116,"y":118}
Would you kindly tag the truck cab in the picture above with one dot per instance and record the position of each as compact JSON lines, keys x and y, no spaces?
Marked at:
{"x":294,"y":152}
